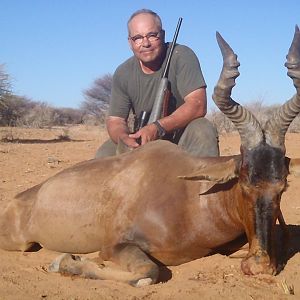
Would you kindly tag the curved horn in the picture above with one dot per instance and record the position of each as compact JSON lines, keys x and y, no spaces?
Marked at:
{"x":245,"y":122}
{"x":278,"y":125}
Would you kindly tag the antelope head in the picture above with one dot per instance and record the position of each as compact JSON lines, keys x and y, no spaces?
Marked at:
{"x":263,"y":167}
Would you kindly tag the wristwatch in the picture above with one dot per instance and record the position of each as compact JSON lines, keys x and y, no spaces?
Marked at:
{"x":161,"y":131}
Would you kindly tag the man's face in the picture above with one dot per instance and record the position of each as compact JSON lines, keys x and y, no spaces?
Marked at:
{"x":147,"y":49}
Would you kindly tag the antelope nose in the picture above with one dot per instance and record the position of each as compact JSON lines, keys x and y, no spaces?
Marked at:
{"x":254,"y":265}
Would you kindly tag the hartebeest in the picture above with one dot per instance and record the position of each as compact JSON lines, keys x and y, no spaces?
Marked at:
{"x":159,"y":204}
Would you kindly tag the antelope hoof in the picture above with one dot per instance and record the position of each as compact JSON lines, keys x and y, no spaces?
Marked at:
{"x":56,"y":263}
{"x":143,"y":282}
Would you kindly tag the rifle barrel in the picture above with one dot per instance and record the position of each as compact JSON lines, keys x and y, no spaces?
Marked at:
{"x":172,"y":48}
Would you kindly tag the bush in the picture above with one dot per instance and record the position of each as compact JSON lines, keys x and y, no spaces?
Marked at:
{"x":262,"y":114}
{"x":21,"y":111}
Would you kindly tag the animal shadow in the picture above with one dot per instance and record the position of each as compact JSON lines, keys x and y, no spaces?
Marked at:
{"x":60,"y":139}
{"x":291,"y":247}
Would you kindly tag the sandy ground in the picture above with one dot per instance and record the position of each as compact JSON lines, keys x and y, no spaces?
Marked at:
{"x":39,"y":155}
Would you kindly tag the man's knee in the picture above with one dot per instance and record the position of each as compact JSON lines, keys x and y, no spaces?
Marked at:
{"x":108,"y":148}
{"x":200,"y":138}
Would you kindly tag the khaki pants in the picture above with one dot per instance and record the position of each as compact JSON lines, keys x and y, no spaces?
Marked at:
{"x":199,"y":138}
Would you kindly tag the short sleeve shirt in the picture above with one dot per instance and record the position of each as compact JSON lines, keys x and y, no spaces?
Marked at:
{"x":133,"y":89}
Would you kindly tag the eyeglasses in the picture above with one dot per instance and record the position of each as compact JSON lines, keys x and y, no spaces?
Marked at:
{"x":151,"y":37}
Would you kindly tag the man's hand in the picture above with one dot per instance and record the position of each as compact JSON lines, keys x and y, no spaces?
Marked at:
{"x":129,"y":141}
{"x":117,"y":129}
{"x":145,"y":134}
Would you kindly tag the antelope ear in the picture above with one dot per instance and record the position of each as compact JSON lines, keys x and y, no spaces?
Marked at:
{"x":216,"y":172}
{"x":122,"y":147}
{"x":294,"y":166}
{"x":205,"y":186}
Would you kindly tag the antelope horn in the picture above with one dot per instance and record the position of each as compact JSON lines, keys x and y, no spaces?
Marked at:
{"x":277,"y":126}
{"x":247,"y":125}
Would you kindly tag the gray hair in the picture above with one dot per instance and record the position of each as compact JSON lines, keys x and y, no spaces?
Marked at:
{"x":145,"y":11}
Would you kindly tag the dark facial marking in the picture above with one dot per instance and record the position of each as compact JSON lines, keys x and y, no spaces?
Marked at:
{"x":265,"y":164}
{"x":263,"y":221}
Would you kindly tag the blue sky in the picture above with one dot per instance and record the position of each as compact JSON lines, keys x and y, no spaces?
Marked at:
{"x":54,"y":49}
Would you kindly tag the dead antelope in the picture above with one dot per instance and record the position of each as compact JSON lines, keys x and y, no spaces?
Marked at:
{"x":159,"y":204}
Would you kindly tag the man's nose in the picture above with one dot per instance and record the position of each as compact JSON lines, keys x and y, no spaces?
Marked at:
{"x":145,"y":42}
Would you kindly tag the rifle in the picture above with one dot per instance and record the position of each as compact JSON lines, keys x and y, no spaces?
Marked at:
{"x":160,"y":105}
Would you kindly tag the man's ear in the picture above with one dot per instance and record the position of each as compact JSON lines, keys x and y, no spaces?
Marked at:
{"x":162,"y":35}
{"x":130,"y":42}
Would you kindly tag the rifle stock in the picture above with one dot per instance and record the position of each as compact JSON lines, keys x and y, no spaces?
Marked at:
{"x":161,"y":95}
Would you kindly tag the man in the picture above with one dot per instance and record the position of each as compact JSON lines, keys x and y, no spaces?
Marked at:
{"x":135,"y":83}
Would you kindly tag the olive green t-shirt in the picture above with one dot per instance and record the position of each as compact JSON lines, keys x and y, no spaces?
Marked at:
{"x":133,"y":89}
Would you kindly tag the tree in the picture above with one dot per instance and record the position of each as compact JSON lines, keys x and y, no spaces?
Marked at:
{"x":4,"y":81}
{"x":97,"y":98}
{"x":5,"y":86}
{"x":13,"y":108}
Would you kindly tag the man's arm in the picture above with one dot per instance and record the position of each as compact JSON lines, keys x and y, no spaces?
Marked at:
{"x":117,"y":129}
{"x":195,"y":106}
